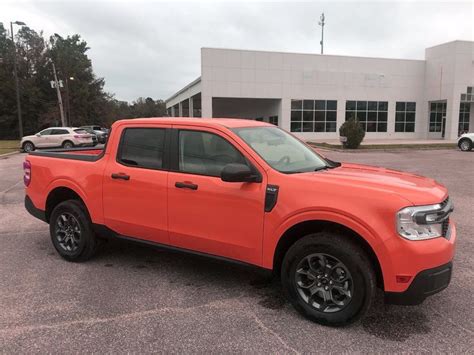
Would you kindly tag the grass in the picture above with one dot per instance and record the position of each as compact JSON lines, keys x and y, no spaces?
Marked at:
{"x":387,"y":146}
{"x":8,"y":146}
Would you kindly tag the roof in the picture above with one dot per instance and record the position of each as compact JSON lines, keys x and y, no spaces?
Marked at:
{"x":209,"y":122}
{"x":191,"y":84}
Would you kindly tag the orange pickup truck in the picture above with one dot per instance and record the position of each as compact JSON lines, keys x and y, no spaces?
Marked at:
{"x":250,"y":192}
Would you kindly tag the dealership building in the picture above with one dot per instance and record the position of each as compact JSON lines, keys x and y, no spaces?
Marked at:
{"x":311,"y":95}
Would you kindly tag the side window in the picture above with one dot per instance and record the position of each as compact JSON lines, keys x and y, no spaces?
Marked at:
{"x":46,"y":132}
{"x":206,"y":153}
{"x":59,"y":131}
{"x":142,"y":147}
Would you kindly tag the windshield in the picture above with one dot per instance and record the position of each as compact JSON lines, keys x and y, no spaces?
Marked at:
{"x":281,"y":150}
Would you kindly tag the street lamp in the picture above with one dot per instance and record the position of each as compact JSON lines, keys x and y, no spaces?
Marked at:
{"x":15,"y":73}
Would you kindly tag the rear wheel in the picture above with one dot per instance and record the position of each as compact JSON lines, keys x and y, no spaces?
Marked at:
{"x":71,"y":231}
{"x":68,"y":145}
{"x":28,"y":147}
{"x":328,"y":279}
{"x":465,"y":145}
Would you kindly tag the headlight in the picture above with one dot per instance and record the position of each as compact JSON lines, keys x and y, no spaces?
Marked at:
{"x":423,"y":222}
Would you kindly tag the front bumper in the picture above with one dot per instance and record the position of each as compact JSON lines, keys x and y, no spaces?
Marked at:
{"x":425,"y":283}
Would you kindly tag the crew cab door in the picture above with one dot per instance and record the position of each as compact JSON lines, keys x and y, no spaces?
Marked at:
{"x":135,"y":183}
{"x":206,"y":214}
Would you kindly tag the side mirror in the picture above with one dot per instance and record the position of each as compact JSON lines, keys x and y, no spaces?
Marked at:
{"x":38,"y":135}
{"x":239,"y":173}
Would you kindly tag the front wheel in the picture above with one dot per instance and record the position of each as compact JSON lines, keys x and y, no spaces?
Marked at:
{"x":28,"y":147}
{"x":328,"y":279}
{"x":71,"y":231}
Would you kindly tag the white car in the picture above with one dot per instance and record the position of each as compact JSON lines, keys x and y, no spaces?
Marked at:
{"x":66,"y":137}
{"x":466,"y":142}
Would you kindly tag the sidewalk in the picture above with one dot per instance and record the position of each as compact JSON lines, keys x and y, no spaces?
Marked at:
{"x":389,"y":141}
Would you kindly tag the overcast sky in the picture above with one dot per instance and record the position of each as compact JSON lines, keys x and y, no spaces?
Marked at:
{"x":152,"y":48}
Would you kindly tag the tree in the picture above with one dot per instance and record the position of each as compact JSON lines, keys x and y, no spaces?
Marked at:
{"x":85,"y":99}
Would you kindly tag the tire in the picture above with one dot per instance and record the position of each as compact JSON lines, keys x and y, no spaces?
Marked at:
{"x":465,"y":145}
{"x":351,"y":284}
{"x":68,"y":145}
{"x":70,"y":244}
{"x":28,"y":147}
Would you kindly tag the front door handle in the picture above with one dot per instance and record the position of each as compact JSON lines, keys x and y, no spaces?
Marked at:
{"x":185,"y":185}
{"x":121,"y":176}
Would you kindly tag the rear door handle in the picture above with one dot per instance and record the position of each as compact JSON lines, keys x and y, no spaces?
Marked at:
{"x":121,"y":176}
{"x":184,"y":185}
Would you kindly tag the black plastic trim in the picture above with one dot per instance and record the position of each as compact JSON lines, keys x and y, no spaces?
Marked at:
{"x":35,"y":212}
{"x":425,"y":283}
{"x":63,"y":154}
{"x":107,"y":233}
{"x":271,"y":197}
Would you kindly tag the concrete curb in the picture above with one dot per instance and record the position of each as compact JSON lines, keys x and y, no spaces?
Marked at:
{"x":8,"y":154}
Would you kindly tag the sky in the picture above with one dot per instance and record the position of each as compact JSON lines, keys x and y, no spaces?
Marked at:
{"x":152,"y":48}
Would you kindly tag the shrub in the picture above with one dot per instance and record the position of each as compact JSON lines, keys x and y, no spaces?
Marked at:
{"x":353,"y":131}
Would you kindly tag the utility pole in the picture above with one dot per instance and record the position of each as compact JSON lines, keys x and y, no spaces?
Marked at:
{"x":321,"y":23}
{"x":15,"y":73}
{"x":60,"y":100}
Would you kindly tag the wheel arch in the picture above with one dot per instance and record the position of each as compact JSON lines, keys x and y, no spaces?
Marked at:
{"x":27,"y":141}
{"x":465,"y":139}
{"x":60,"y":194}
{"x":303,"y":228}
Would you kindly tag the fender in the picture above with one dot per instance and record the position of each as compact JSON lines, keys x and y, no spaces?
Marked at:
{"x":95,"y":214}
{"x":272,"y":238}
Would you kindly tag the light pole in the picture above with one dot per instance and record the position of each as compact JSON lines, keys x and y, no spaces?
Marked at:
{"x":71,"y":78}
{"x":60,"y":99}
{"x":15,"y":73}
{"x":321,"y":23}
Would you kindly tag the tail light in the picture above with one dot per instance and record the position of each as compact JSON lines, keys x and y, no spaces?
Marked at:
{"x":26,"y":172}
{"x":82,"y":136}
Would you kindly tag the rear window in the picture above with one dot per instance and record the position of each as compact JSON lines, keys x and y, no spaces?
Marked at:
{"x":80,"y":131}
{"x":142,"y":147}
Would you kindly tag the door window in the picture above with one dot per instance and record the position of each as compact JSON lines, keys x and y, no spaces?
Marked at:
{"x":142,"y":147}
{"x":60,"y":131}
{"x":206,"y":153}
{"x":46,"y":132}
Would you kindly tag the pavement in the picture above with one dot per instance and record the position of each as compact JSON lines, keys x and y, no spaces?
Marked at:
{"x":369,"y":141}
{"x":135,"y":299}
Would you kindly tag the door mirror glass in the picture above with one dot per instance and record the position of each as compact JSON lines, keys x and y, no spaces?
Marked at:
{"x":238,"y":173}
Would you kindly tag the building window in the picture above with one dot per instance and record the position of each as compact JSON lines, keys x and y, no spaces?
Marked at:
{"x":405,"y":116}
{"x":273,"y":120}
{"x":464,"y":113}
{"x":372,"y":115}
{"x":313,"y":115}
{"x":437,"y":112}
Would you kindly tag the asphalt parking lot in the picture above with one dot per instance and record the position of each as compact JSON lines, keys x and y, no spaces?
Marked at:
{"x":133,"y":299}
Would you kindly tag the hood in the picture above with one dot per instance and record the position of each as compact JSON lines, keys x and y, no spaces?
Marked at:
{"x":418,"y":190}
{"x":28,"y":137}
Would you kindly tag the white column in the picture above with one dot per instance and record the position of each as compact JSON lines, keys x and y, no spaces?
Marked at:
{"x":285,"y":115}
{"x":180,"y":110}
{"x":191,"y":107}
{"x":391,"y":117}
{"x":452,"y":118}
{"x":206,"y":106}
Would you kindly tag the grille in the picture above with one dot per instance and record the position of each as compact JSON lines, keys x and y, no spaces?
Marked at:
{"x":445,"y":229}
